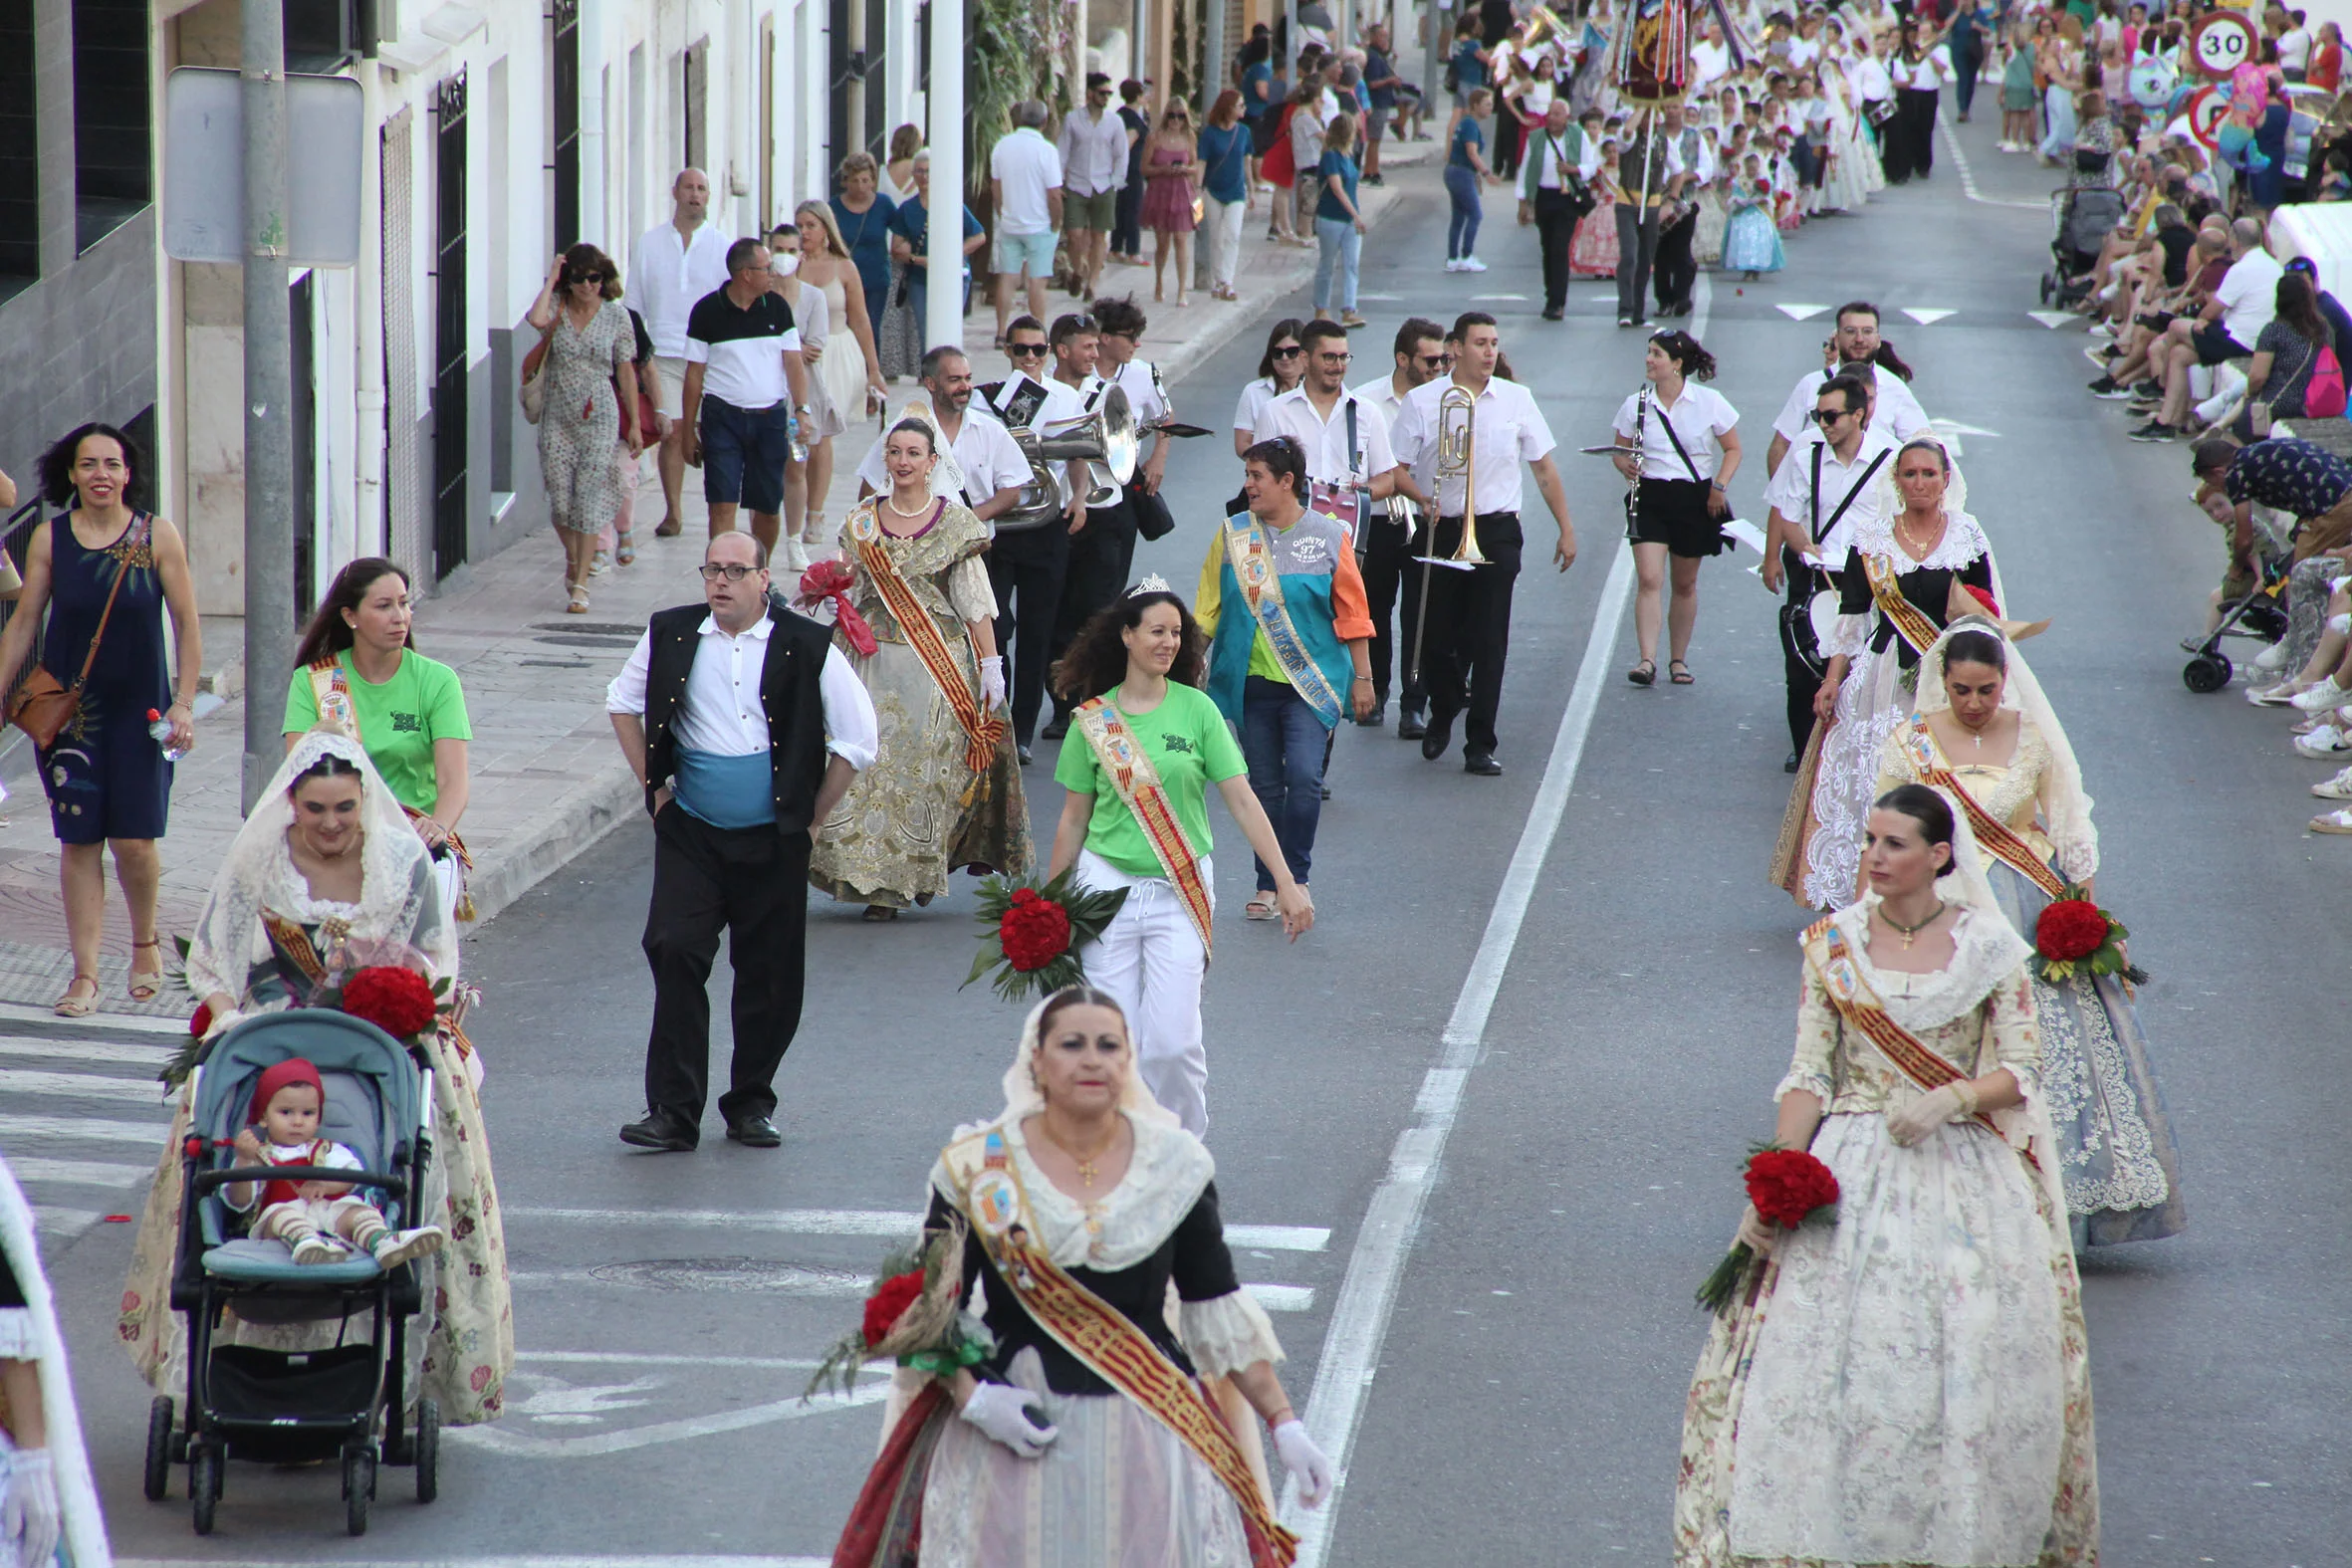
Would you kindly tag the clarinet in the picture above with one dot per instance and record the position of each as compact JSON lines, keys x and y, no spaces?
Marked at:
{"x":1641,"y":426}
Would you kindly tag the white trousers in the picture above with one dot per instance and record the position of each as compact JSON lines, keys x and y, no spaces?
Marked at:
{"x":1150,"y":961}
{"x":1223,"y":220}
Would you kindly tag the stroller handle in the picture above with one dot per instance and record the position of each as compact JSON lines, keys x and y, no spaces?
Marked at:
{"x":208,"y":1181}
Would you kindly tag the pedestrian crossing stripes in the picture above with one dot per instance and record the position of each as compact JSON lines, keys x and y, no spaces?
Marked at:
{"x":1926,"y":316}
{"x":867,"y":1222}
{"x":85,"y":1118}
{"x":2053,"y":317}
{"x":1800,"y":312}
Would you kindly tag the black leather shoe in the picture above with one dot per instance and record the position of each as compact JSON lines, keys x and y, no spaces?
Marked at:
{"x":1024,"y":751}
{"x":1789,"y":766}
{"x":663,"y":1129}
{"x":1056,"y":727}
{"x":1438,"y":737}
{"x":1554,"y":314}
{"x":1482,"y":764}
{"x":1409,"y":726}
{"x":755,"y":1132}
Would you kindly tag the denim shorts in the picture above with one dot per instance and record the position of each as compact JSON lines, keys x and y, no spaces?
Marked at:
{"x":1030,"y":253}
{"x":744,"y":451}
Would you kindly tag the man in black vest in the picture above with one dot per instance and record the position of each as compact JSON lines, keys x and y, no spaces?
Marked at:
{"x":745,"y":727}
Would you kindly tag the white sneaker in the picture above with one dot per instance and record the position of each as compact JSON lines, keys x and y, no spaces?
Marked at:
{"x":2277,"y":695}
{"x":1473,"y":264}
{"x":395,"y":1248}
{"x":2324,"y":742}
{"x":2321,"y":697}
{"x":796,"y":554}
{"x":2332,"y":823}
{"x":1453,"y":263}
{"x":2272,"y":659}
{"x":315,"y":1249}
{"x":2337,"y":788}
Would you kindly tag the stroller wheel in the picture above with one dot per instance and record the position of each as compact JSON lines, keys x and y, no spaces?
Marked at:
{"x":2047,"y":284}
{"x":159,"y":1477}
{"x":429,"y":1450}
{"x":359,"y":1488}
{"x":204,"y":1484}
{"x":2209,"y":673}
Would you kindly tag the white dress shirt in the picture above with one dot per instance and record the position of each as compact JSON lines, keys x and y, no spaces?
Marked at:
{"x":1544,"y":147}
{"x":1698,"y":162}
{"x":668,"y":275}
{"x":1926,"y":74}
{"x":1094,"y":152}
{"x":1791,"y":491}
{"x":1699,"y":417}
{"x":1898,"y":412}
{"x":1510,"y":428}
{"x":1147,"y":395}
{"x":991,"y":459}
{"x":1029,"y":168}
{"x":1254,"y":398}
{"x":722,"y":715}
{"x":1380,"y":396}
{"x":1330,"y":461}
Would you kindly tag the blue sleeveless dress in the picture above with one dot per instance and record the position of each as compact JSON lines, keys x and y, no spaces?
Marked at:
{"x":106,"y":775}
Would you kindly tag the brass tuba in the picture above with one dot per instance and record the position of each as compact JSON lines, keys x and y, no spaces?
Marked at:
{"x":1457,"y":455}
{"x":1105,"y":434}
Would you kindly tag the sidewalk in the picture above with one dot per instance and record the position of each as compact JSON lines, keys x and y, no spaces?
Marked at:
{"x":548,"y":778}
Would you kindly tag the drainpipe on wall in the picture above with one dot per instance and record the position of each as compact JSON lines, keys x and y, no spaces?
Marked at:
{"x":591,"y":119}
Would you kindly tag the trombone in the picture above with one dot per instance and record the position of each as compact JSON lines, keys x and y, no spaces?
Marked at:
{"x":1456,"y":456}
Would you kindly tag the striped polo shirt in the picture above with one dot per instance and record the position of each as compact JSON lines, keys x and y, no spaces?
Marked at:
{"x":744,"y":350}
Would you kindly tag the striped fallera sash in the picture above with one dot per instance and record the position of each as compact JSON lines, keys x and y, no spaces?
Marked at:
{"x":1128,"y":766}
{"x":1250,"y":554}
{"x":1991,"y":831}
{"x":1112,"y":1348}
{"x":1858,"y":1005}
{"x":1905,"y":616}
{"x":983,"y":730}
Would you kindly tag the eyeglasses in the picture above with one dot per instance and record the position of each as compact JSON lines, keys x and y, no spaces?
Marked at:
{"x":733,"y":572}
{"x":1291,"y":352}
{"x":1327,"y":358}
{"x":1025,"y":351}
{"x":1830,"y":417}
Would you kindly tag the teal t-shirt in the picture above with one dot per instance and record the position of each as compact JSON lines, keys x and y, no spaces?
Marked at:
{"x":398,"y":721}
{"x":1189,"y":745}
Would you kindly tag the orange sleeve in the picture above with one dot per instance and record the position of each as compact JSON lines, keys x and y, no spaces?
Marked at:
{"x":1352,"y":614}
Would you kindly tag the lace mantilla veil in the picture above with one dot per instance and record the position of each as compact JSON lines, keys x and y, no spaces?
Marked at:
{"x":2067,"y":808}
{"x":398,"y":898}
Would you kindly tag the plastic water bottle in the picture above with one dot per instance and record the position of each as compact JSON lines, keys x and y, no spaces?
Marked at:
{"x":160,"y":728}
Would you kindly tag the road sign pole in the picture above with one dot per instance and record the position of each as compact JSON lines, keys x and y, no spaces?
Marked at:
{"x":268,"y":396}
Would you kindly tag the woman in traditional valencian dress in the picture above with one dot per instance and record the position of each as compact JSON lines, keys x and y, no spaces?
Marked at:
{"x":1905,"y":580}
{"x":945,"y":790}
{"x":1984,"y":733}
{"x":328,"y":875}
{"x":1911,"y":1383}
{"x":1085,"y":1439}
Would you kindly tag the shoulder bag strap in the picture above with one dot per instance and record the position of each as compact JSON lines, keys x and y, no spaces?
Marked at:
{"x":1680,"y":451}
{"x":138,"y":533}
{"x":1875,"y":464}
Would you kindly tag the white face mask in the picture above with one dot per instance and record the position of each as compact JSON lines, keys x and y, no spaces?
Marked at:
{"x":786,"y":265}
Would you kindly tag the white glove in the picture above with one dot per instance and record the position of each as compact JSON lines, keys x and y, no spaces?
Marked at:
{"x":30,"y":1521}
{"x":1912,"y":1121}
{"x":1306,"y":1463}
{"x":1002,"y":1412}
{"x":991,"y":681}
{"x":1756,"y":1233}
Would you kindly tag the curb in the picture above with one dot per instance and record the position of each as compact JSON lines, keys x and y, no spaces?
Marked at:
{"x":574,"y":823}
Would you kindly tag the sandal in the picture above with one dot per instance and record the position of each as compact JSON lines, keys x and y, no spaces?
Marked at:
{"x":579,"y":600}
{"x":624,"y":549}
{"x":1262,"y":907}
{"x":70,"y":1005}
{"x":1643,"y":673}
{"x":1679,"y":672}
{"x":146,"y":985}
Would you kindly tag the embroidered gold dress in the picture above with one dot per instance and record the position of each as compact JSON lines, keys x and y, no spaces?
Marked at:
{"x":1911,"y":1384}
{"x":2121,"y":1165}
{"x":920,"y":811}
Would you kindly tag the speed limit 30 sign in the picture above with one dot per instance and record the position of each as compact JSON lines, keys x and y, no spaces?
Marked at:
{"x":2221,"y":41}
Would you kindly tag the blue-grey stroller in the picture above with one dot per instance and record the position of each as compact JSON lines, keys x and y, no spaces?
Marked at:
{"x":346,"y":1401}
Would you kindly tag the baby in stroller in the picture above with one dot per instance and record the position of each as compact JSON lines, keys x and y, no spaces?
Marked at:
{"x":320,"y":1221}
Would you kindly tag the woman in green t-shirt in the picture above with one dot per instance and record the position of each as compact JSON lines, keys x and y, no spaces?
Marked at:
{"x":1146,"y":657}
{"x":407,"y":711}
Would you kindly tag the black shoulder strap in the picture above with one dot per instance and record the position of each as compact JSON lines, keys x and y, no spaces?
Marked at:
{"x":1679,"y":450}
{"x":1356,"y":460}
{"x":1820,"y":529}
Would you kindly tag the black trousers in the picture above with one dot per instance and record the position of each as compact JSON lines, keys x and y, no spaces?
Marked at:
{"x":1676,"y":270}
{"x":1555,"y":232}
{"x":1388,"y":568}
{"x":752,"y":884}
{"x":1024,"y":571}
{"x":1637,"y":250}
{"x":1469,"y":635}
{"x":1100,"y":554}
{"x":1799,"y":657}
{"x":1910,"y":137}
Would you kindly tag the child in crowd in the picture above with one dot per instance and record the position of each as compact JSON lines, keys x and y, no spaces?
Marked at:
{"x":322,"y":1221}
{"x":1752,"y":240}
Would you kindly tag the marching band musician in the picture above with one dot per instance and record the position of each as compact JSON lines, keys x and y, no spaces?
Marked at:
{"x":1029,"y":563}
{"x":1468,"y":632}
{"x":1822,"y":494}
{"x":1121,"y":323}
{"x":1854,"y":347}
{"x":1102,"y":539}
{"x":990,"y":462}
{"x":1421,"y":355}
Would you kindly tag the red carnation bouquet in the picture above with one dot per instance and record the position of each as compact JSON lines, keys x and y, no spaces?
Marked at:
{"x":2075,"y":935}
{"x":384,"y":982}
{"x":1789,"y":1187}
{"x":832,"y":579}
{"x":1031,"y":935}
{"x":915,"y":1313}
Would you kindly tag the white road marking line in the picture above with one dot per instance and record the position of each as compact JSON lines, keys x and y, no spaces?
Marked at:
{"x":1928,"y":317}
{"x":528,"y":1446}
{"x":1367,"y":1296}
{"x":1519,"y":298}
{"x":1384,"y":299}
{"x":136,"y":1024}
{"x":79,"y":1172}
{"x":1800,"y":312}
{"x":2053,"y":317}
{"x":868,"y":1221}
{"x":1955,"y":427}
{"x":88,"y":1129}
{"x":1967,"y":175}
{"x":490,"y":1561}
{"x":80,"y":1086}
{"x":634,"y":1358}
{"x":61,"y":1225}
{"x":85,"y":1050}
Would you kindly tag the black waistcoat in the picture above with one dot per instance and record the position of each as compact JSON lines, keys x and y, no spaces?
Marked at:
{"x":789,"y":695}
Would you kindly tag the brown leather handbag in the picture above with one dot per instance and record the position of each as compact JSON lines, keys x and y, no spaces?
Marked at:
{"x":42,"y":707}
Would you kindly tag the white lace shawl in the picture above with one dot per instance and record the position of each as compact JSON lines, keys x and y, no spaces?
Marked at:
{"x":84,"y":1525}
{"x":2065,"y":807}
{"x":1963,"y":541}
{"x":399,"y":900}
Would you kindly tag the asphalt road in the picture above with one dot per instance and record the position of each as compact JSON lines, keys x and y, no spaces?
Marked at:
{"x":1495,"y":1257}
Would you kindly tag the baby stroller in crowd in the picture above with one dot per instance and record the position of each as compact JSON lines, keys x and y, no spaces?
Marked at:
{"x":2259,"y":614}
{"x":2081,"y":217}
{"x":343,"y":1402}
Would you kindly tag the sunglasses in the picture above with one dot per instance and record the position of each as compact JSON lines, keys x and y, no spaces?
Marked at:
{"x":1291,"y":352}
{"x":1435,"y":361}
{"x":1830,"y":417}
{"x":1025,"y":351}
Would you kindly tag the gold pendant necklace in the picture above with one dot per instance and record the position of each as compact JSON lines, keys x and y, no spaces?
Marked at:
{"x":1909,"y":932}
{"x":1086,"y":1168}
